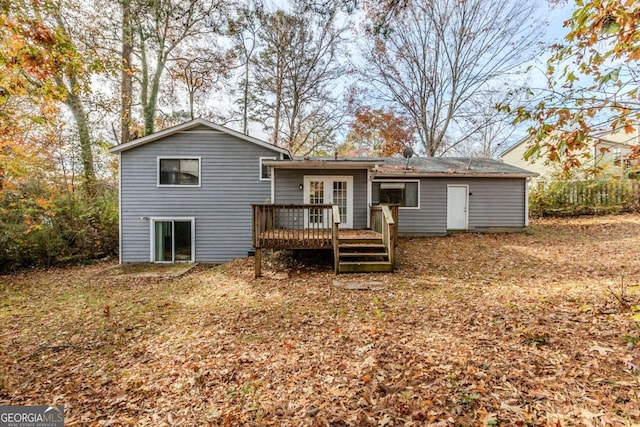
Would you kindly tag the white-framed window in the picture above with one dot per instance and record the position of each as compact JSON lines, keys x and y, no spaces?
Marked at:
{"x":179,"y":171}
{"x":265,"y":171}
{"x":173,"y":239}
{"x":405,"y":193}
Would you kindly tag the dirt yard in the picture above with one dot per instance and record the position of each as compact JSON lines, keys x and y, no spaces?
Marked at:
{"x":536,"y":328}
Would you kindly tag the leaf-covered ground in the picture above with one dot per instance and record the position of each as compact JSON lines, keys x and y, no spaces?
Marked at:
{"x":506,"y":329}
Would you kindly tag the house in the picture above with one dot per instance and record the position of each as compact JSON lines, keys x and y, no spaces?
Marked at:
{"x":203,"y":192}
{"x":608,"y":152}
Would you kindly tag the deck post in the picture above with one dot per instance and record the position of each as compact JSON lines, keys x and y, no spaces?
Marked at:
{"x":393,"y":241}
{"x":335,"y":237}
{"x":257,"y":260}
{"x":394,"y":214}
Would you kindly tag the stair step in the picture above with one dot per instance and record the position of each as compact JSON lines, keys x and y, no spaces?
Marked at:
{"x":364,"y":266}
{"x":363,"y":254}
{"x":362,"y":246}
{"x":360,"y":240}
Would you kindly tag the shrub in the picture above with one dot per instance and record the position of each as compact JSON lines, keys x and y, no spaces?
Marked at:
{"x":40,"y":226}
{"x":587,"y":197}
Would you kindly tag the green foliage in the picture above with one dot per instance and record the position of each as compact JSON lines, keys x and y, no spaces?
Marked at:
{"x":592,"y":82}
{"x":588,"y":197}
{"x":40,"y":226}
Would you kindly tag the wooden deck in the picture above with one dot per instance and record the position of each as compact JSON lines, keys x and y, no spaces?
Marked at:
{"x":311,"y":226}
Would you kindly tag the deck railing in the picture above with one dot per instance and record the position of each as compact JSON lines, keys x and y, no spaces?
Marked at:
{"x":294,"y":227}
{"x":303,"y":226}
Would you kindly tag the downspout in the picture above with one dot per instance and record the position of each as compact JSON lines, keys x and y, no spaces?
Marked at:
{"x":273,"y":184}
{"x":120,"y":207}
{"x":526,"y":201}
{"x":369,"y":183}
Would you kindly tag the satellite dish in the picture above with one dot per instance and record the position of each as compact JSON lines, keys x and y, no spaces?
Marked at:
{"x":407,"y":153}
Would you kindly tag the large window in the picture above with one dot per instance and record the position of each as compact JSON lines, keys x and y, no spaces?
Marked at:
{"x":174,"y":171}
{"x":403,"y":193}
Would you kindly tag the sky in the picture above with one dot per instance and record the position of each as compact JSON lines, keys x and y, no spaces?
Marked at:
{"x":555,"y":15}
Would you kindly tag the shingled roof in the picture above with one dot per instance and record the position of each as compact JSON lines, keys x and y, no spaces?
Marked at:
{"x":449,"y":166}
{"x":415,"y":167}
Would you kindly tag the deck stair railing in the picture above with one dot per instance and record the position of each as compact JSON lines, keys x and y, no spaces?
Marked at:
{"x":377,"y":219}
{"x":389,"y":234}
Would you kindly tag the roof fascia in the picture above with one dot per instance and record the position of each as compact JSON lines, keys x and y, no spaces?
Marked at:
{"x":190,"y":125}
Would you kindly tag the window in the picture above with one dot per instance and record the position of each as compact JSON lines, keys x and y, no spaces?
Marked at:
{"x":403,"y":193}
{"x":177,"y":171}
{"x":616,"y":153}
{"x":265,"y":171}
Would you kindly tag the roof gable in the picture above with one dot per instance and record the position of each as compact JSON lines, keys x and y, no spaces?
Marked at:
{"x":513,"y":146}
{"x":195,"y":125}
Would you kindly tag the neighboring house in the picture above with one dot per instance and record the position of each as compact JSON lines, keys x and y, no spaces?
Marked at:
{"x":186,"y":194}
{"x":608,"y":152}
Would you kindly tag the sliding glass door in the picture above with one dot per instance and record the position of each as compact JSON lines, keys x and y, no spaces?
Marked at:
{"x":172,"y":240}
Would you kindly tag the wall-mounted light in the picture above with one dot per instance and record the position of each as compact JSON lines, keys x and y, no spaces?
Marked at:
{"x":300,"y":187}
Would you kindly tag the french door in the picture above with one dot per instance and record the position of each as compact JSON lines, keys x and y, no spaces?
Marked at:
{"x":172,"y":240}
{"x":331,"y":190}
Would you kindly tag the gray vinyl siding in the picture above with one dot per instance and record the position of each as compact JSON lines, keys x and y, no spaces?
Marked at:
{"x":431,"y":218}
{"x":230,"y":183}
{"x":494,"y":203}
{"x":287,"y":189}
{"x":497,"y":204}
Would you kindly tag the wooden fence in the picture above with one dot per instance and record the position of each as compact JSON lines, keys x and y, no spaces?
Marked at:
{"x":560,"y":198}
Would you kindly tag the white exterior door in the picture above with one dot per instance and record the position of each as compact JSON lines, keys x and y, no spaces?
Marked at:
{"x":331,"y":190}
{"x":457,"y":207}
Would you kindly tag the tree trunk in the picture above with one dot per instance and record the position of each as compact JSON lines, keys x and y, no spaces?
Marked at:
{"x":149,"y":109}
{"x":245,"y":100}
{"x":191,"y":97}
{"x":86,"y":154}
{"x":278,"y":103}
{"x":126,"y":87}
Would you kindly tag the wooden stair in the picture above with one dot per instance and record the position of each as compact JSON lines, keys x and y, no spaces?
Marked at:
{"x":363,"y":254}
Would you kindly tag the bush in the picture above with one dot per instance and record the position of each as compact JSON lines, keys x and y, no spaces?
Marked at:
{"x":588,"y":197}
{"x":40,"y":226}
